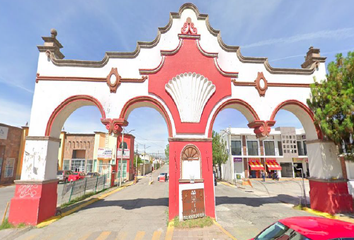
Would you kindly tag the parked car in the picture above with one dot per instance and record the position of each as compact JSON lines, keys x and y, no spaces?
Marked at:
{"x":92,"y":174}
{"x":306,"y":228}
{"x":76,"y":176}
{"x":163,"y":177}
{"x":63,"y":175}
{"x":215,"y":182}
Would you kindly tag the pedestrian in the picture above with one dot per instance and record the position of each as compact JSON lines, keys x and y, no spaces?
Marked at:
{"x":263,"y":175}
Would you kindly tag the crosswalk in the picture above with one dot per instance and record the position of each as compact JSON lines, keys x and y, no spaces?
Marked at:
{"x":104,"y":235}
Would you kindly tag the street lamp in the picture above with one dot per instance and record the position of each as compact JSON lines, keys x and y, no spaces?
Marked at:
{"x":303,"y":185}
{"x":121,"y":157}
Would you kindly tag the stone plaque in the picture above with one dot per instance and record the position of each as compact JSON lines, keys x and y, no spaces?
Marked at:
{"x":193,"y":203}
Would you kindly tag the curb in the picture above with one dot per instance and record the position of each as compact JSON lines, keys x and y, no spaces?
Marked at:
{"x":169,"y":232}
{"x":224,"y":231}
{"x":151,"y":182}
{"x":327,"y":215}
{"x":93,"y":200}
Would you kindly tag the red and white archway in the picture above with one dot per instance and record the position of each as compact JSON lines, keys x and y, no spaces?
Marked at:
{"x":188,"y":75}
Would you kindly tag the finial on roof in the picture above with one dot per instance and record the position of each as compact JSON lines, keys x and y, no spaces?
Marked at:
{"x":53,"y":32}
{"x":51,"y":45}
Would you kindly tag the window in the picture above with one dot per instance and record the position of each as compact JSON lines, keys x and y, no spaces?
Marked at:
{"x":125,"y":145}
{"x":66,"y":165}
{"x":280,"y":147}
{"x":252,"y":148}
{"x":300,"y":148}
{"x":9,"y":167}
{"x":305,"y":149}
{"x":236,"y":147}
{"x":269,"y":148}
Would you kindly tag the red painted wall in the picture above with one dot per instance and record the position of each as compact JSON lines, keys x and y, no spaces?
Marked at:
{"x":189,"y":59}
{"x":129,"y":139}
{"x":330,"y":197}
{"x":205,"y":149}
{"x":33,"y":203}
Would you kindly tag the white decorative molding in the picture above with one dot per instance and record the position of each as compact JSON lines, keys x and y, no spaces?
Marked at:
{"x":190,"y":92}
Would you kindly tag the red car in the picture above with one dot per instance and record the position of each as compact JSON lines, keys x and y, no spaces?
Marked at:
{"x":76,"y":176}
{"x":307,"y":228}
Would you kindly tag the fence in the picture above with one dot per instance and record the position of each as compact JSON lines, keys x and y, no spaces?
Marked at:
{"x":79,"y":188}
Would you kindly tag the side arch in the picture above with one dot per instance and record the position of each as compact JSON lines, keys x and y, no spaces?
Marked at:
{"x":146,"y":101}
{"x":66,"y":108}
{"x":238,"y":104}
{"x":304,"y":114}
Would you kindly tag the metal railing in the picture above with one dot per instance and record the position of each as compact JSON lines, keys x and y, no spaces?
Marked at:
{"x":82,"y":187}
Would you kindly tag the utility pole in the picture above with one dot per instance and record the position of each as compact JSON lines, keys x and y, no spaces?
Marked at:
{"x":121,"y":159}
{"x":136,"y":161}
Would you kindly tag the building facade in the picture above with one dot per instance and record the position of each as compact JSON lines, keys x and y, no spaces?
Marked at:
{"x":283,"y":152}
{"x":78,"y":152}
{"x":12,"y":141}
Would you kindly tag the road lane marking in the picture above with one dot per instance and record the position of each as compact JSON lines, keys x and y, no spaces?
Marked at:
{"x":222,"y":229}
{"x":32,"y":237}
{"x":122,"y":236}
{"x":169,"y":232}
{"x":139,"y":235}
{"x":85,"y":237}
{"x":157,"y":235}
{"x":103,"y":236}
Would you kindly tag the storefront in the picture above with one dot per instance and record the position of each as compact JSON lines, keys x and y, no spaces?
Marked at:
{"x":255,"y":167}
{"x":273,"y":167}
{"x":300,"y":165}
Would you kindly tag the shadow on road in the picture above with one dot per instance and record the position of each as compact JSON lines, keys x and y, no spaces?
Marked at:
{"x":256,"y":202}
{"x":130,"y":204}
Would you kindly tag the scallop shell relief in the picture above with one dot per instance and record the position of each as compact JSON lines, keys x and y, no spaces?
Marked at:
{"x":190,"y":92}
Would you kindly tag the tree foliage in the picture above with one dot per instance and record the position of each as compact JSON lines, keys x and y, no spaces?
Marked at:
{"x":332,"y":102}
{"x":220,"y":155}
{"x":137,"y":157}
{"x":167,"y":151}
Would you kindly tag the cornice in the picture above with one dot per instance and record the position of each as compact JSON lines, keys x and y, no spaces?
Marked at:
{"x":177,"y":15}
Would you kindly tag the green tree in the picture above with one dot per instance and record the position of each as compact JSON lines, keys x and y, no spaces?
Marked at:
{"x":332,"y":102}
{"x":220,"y":155}
{"x":139,"y":159}
{"x":167,"y":152}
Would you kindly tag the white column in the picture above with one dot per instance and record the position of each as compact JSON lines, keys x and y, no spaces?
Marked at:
{"x":40,"y":158}
{"x":324,"y":162}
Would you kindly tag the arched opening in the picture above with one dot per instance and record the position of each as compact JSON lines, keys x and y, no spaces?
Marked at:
{"x":65,"y":109}
{"x":232,"y":125}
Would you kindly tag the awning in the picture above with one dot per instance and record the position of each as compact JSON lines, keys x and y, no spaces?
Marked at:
{"x":255,"y":165}
{"x":273,"y":165}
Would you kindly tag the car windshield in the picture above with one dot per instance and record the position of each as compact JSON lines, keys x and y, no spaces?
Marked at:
{"x":279,"y":231}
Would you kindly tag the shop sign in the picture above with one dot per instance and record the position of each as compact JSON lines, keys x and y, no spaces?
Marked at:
{"x":104,"y":153}
{"x":126,"y":153}
{"x":300,"y":160}
{"x":193,"y":203}
{"x":237,"y":159}
{"x":3,"y":132}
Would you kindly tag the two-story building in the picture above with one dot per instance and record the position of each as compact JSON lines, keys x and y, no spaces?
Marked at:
{"x":283,"y":152}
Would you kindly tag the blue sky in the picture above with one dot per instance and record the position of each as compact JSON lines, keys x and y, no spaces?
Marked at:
{"x":280,"y":30}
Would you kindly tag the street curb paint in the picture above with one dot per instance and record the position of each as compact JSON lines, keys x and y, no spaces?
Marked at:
{"x":93,"y":200}
{"x":327,"y":215}
{"x":169,"y":232}
{"x":151,"y":182}
{"x":224,"y":231}
{"x":227,"y":184}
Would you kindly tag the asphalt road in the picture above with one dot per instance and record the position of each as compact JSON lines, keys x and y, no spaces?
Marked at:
{"x":140,"y":211}
{"x":136,"y":212}
{"x":244,"y":212}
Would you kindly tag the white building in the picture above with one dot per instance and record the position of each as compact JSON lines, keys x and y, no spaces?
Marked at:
{"x":284,"y":151}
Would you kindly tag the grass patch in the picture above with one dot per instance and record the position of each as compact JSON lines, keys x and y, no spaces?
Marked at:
{"x":193,"y":223}
{"x":298,"y":207}
{"x":78,"y":199}
{"x":6,"y":225}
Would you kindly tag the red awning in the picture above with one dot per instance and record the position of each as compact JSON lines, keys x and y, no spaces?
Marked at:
{"x":256,"y":165}
{"x":273,"y":164}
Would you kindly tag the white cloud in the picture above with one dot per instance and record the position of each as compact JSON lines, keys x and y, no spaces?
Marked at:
{"x":12,"y":83}
{"x":14,"y":114}
{"x":338,"y":34}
